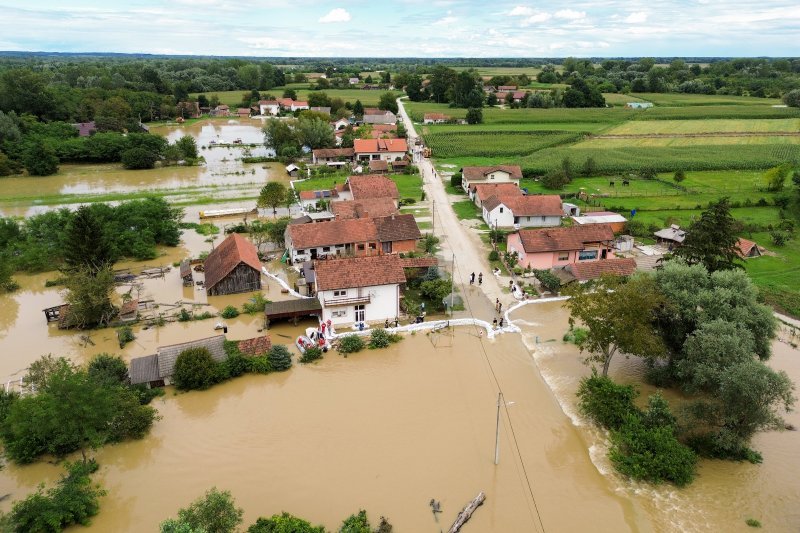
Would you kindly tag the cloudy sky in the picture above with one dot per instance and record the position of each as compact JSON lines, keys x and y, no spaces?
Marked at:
{"x":405,"y":28}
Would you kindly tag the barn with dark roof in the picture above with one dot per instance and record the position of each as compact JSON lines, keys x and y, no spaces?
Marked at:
{"x":233,"y":267}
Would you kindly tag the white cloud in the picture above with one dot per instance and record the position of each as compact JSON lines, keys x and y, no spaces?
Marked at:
{"x":636,"y":18}
{"x":446,"y":20}
{"x":537,"y":18}
{"x":570,"y":14}
{"x":521,"y":11}
{"x":336,"y":15}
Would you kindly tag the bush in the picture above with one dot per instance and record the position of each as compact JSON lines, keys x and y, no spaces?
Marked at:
{"x":195,"y":369}
{"x":229,"y":312}
{"x":779,"y":238}
{"x":474,"y":115}
{"x":555,"y":180}
{"x":456,"y":180}
{"x":380,"y":338}
{"x":651,"y":453}
{"x":494,"y":256}
{"x":284,"y":523}
{"x":311,"y":354}
{"x":548,"y":280}
{"x":108,"y":369}
{"x":752,"y":522}
{"x":576,"y":335}
{"x":279,"y":358}
{"x":351,"y":344}
{"x":260,"y":365}
{"x":125,"y":335}
{"x":138,"y":159}
{"x":679,"y":176}
{"x":605,"y":402}
{"x":235,"y":365}
{"x":184,"y":316}
{"x":74,"y":500}
{"x":255,"y":304}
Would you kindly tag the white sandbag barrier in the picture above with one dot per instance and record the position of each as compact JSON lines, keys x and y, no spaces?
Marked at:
{"x":284,"y":285}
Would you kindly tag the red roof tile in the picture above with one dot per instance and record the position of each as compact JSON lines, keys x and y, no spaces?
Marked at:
{"x":586,"y":270}
{"x":227,"y":256}
{"x":486,"y":190}
{"x":418,"y":262}
{"x":744,"y":247}
{"x":374,"y":146}
{"x":359,"y":272}
{"x":480,"y":173}
{"x":333,"y":152}
{"x":548,"y":205}
{"x":255,"y":346}
{"x":560,"y":239}
{"x":397,"y":228}
{"x":366,"y":208}
{"x":332,"y":233}
{"x":370,"y":186}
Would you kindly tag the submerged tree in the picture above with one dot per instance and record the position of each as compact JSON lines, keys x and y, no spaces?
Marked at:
{"x":619,"y":316}
{"x":215,"y":512}
{"x":85,"y":242}
{"x":272,"y":195}
{"x":711,"y":240}
{"x":88,"y":293}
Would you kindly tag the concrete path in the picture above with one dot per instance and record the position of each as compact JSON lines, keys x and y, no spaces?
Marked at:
{"x":457,"y":240}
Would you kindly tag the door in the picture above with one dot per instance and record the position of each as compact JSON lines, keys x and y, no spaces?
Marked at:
{"x":313,"y":253}
{"x":604,"y":254}
{"x":360,"y":313}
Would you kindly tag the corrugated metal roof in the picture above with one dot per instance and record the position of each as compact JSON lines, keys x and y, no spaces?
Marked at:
{"x":144,"y":369}
{"x":167,"y":355}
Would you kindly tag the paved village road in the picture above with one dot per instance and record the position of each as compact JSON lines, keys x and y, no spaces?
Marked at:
{"x":458,"y":239}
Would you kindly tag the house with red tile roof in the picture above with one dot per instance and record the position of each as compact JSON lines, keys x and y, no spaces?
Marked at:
{"x":366,"y":208}
{"x":368,"y":186}
{"x":269,"y":107}
{"x":310,"y":199}
{"x":493,"y":174}
{"x":359,"y":289}
{"x":547,"y":248}
{"x":243,"y":112}
{"x":322,"y":156}
{"x":589,"y":270}
{"x":386,"y":149}
{"x":355,"y":237}
{"x":435,"y":118}
{"x":232,"y":267}
{"x":516,"y":211}
{"x":747,"y":249}
{"x":480,"y":192}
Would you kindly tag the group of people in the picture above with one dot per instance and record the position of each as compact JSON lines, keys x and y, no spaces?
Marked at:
{"x":472,"y":278}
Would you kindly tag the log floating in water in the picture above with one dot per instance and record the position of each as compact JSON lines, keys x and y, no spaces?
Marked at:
{"x":466,"y":514}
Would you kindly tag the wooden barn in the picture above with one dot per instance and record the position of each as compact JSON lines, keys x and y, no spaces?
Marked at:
{"x":233,"y":267}
{"x":186,"y":273}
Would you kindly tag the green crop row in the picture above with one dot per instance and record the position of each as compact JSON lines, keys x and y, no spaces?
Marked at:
{"x":495,"y":143}
{"x":665,"y":159}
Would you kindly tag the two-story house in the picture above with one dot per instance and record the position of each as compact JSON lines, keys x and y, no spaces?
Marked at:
{"x":493,"y":174}
{"x":547,"y":248}
{"x":385,"y":149}
{"x":515,"y":211}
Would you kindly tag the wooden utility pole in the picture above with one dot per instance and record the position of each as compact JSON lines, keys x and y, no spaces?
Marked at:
{"x":497,"y":430}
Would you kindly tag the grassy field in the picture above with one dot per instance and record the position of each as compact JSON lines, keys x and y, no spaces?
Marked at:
{"x":368,"y":98}
{"x":495,"y":143}
{"x":616,"y":99}
{"x":679,"y":99}
{"x":466,"y":210}
{"x":705,"y":140}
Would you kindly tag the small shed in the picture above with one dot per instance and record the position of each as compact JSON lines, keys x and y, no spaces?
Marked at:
{"x":292,"y":309}
{"x":233,"y":267}
{"x":378,"y":166}
{"x":186,"y":273}
{"x":129,"y":310}
{"x":746,"y":249}
{"x":670,"y":236}
{"x":293,"y":170}
{"x":144,"y":370}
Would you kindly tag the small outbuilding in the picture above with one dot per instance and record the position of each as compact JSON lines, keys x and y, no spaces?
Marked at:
{"x":233,"y":267}
{"x":293,"y":170}
{"x":186,"y":273}
{"x":747,"y":249}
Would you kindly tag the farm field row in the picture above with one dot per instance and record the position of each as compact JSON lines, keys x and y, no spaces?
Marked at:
{"x":496,"y":143}
{"x":583,"y":127}
{"x":234,"y":98}
{"x":674,"y":127}
{"x":616,"y":99}
{"x":680,"y":99}
{"x":678,"y":141}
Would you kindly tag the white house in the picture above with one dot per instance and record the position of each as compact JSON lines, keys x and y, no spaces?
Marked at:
{"x":523,"y":211}
{"x":340,"y":124}
{"x":298,"y":106}
{"x":269,"y":107}
{"x":359,"y":289}
{"x":494,"y":174}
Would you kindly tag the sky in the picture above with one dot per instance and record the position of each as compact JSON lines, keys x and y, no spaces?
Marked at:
{"x":405,"y":28}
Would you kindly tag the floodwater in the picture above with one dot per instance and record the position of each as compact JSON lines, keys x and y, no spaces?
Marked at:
{"x":223,"y":175}
{"x":725,"y":493}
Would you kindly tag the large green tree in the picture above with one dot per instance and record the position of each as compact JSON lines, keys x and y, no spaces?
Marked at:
{"x":388,"y":102}
{"x":215,"y":512}
{"x":85,"y":244}
{"x":88,"y":293}
{"x":272,"y":195}
{"x":712,"y":239}
{"x":315,"y":133}
{"x":619,"y":315}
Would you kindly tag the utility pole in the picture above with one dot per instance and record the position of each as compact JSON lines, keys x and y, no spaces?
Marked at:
{"x":497,"y":431}
{"x":433,"y":217}
{"x":452,"y":285}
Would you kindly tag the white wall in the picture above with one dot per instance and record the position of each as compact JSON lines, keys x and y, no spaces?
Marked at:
{"x":384,"y":304}
{"x":385,"y":156}
{"x":500,"y":217}
{"x":538,"y":222}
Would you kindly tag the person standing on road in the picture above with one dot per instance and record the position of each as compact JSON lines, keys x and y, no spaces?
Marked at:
{"x":472,"y":278}
{"x":497,"y":304}
{"x":480,"y":278}
{"x":499,"y":308}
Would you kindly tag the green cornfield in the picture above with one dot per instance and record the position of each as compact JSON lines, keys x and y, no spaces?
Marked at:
{"x":495,"y":143}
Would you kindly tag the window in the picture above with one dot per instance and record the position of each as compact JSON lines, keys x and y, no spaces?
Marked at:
{"x":585,"y":255}
{"x":501,"y":209}
{"x":301,"y":251}
{"x":372,"y":246}
{"x":563,"y":256}
{"x":326,"y":248}
{"x":342,"y":292}
{"x":544,"y":219}
{"x":337,"y":314}
{"x":360,"y":246}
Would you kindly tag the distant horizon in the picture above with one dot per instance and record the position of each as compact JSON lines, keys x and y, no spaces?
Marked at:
{"x":406,"y":28}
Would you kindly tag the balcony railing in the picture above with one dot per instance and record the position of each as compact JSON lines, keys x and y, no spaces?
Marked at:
{"x":356,"y":300}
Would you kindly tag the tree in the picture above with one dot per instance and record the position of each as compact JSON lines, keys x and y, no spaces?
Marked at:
{"x":388,"y":102}
{"x":792,"y":98}
{"x":279,"y":358}
{"x":284,"y":523}
{"x":711,"y":240}
{"x":88,"y":293}
{"x":114,"y":114}
{"x":280,"y":134}
{"x":679,"y":176}
{"x":315,"y":133}
{"x":215,"y":512}
{"x":555,"y":179}
{"x":272,"y":195}
{"x":85,"y":244}
{"x":108,"y":369}
{"x":39,"y":159}
{"x":187,"y":146}
{"x":776,"y":177}
{"x":358,"y":109}
{"x":195,"y":368}
{"x":290,"y":93}
{"x":414,"y":88}
{"x":139,"y":159}
{"x":436,"y":291}
{"x":619,"y":315}
{"x":589,"y":167}
{"x":442,"y":80}
{"x":474,"y":115}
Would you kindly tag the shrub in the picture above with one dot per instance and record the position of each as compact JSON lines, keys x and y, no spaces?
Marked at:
{"x":229,"y":312}
{"x":255,"y":304}
{"x":456,"y":180}
{"x":184,"y":316}
{"x":74,"y":500}
{"x":679,"y":176}
{"x":651,"y":453}
{"x":109,"y":369}
{"x":605,"y":402}
{"x":752,"y":522}
{"x":195,"y":369}
{"x":548,"y":280}
{"x":284,"y":523}
{"x":235,"y":365}
{"x":779,"y":238}
{"x":138,"y":158}
{"x":351,"y":344}
{"x":279,"y":358}
{"x":555,"y":180}
{"x":494,"y":256}
{"x":311,"y":354}
{"x":380,"y":338}
{"x":474,"y":115}
{"x":576,"y":335}
{"x":125,"y":335}
{"x":260,"y":365}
